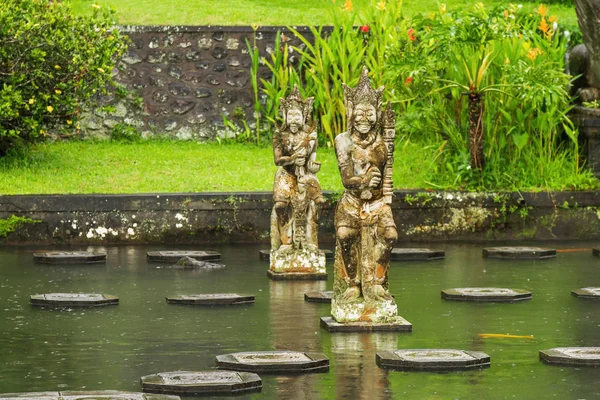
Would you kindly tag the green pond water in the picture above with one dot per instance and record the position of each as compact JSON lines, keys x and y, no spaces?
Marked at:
{"x":110,"y":348}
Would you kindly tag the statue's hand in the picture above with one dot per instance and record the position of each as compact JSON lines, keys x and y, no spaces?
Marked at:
{"x":300,"y":157}
{"x":374,"y":178}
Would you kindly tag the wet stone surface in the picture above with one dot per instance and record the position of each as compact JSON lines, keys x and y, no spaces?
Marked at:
{"x":519,"y":253}
{"x":296,"y":276}
{"x":416,"y":254}
{"x":587,"y":292}
{"x":173,"y":256}
{"x":265,"y":255}
{"x":73,"y":300}
{"x":212,"y":299}
{"x":202,"y":382}
{"x":582,"y":356}
{"x":481,"y":294}
{"x":191,"y":263}
{"x":95,"y":395}
{"x":400,"y":325}
{"x":274,"y":362}
{"x":432,"y":359}
{"x":69,"y":257}
{"x":324,"y":296}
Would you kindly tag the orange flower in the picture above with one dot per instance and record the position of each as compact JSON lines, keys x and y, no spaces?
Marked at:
{"x":533,"y":53}
{"x":348,"y":5}
{"x":408,"y":81}
{"x":542,"y":10}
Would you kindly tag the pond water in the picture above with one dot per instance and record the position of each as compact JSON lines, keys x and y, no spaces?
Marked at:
{"x":112,"y":347}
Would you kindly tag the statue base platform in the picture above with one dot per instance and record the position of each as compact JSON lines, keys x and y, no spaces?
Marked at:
{"x":399,"y":325}
{"x":296,"y":276}
{"x":297,"y":264}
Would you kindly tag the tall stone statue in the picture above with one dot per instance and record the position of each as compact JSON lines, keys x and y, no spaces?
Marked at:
{"x":297,"y":192}
{"x":584,"y":59}
{"x":365,"y":228}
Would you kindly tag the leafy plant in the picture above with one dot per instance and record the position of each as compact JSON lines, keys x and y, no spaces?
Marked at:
{"x":51,"y":64}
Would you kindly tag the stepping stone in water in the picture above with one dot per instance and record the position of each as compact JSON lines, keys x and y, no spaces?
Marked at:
{"x":319,"y":297}
{"x":214,"y":299}
{"x":69,"y":257}
{"x":73,"y":300}
{"x":582,"y":356}
{"x":401,"y":254}
{"x":401,"y":325}
{"x":587,"y":292}
{"x":191,"y":383}
{"x":172,"y":256}
{"x":94,"y":395}
{"x":432,"y":359}
{"x":596,"y":251}
{"x":191,"y":263}
{"x":293,"y":276}
{"x":519,"y":253}
{"x":265,"y":255}
{"x":486,"y":294}
{"x":274,"y":362}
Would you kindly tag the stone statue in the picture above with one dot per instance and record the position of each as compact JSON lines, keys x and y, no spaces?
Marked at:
{"x":297,"y":192}
{"x":584,"y":59}
{"x":365,"y":228}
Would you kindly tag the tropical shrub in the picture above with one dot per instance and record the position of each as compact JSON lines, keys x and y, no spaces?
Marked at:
{"x":51,"y":64}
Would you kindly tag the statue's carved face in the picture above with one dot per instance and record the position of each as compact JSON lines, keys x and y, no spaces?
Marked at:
{"x":294,"y":120}
{"x":365,"y":117}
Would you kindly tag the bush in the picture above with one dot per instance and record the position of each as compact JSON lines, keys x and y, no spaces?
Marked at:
{"x":51,"y":64}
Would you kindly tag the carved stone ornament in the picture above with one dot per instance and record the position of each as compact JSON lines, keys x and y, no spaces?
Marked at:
{"x":296,"y":191}
{"x":584,"y":59}
{"x":365,"y":228}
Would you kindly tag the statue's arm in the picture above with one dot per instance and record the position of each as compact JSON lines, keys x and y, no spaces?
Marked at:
{"x":312,"y":165}
{"x":280,"y":159}
{"x":343,"y":148}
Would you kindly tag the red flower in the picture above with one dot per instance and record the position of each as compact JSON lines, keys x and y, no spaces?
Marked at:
{"x":411,"y":34}
{"x":364,"y":28}
{"x":408,"y":81}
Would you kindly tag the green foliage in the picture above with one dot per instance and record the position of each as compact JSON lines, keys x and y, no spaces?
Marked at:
{"x":11,"y":224}
{"x":51,"y":64}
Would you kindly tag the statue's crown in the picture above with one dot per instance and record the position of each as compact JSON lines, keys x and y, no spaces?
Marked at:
{"x":363,"y":92}
{"x":295,"y":101}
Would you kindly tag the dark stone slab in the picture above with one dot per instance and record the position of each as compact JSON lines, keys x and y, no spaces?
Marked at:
{"x":69,"y":257}
{"x":519,"y":253}
{"x":582,"y":356}
{"x":274,"y":362}
{"x":73,"y":300}
{"x":596,"y":252}
{"x":192,"y":383}
{"x":172,"y":256}
{"x":587,"y":292}
{"x":483,"y":294}
{"x":416,"y":254}
{"x":92,"y":395}
{"x":432,"y":359}
{"x":212,"y":299}
{"x":265,"y":255}
{"x":401,"y":325}
{"x":324,"y":296}
{"x":296,"y":276}
{"x":191,"y":263}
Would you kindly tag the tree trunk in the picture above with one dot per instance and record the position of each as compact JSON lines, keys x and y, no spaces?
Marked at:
{"x":476,"y":130}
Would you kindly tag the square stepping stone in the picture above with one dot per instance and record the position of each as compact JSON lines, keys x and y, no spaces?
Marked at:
{"x":519,"y":253}
{"x":596,"y":251}
{"x":73,"y":300}
{"x":432,"y":359}
{"x":481,"y":294}
{"x":211,"y":299}
{"x":92,"y":395}
{"x":198,"y":383}
{"x":587,"y":292}
{"x":274,"y":362}
{"x":324,"y":296}
{"x":172,"y":256}
{"x":582,"y":356}
{"x":400,"y":325}
{"x":416,"y":254}
{"x":297,"y":276}
{"x":69,"y":257}
{"x":30,"y":395}
{"x":265,"y":255}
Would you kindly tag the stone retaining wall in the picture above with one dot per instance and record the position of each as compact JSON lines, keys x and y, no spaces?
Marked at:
{"x":244,"y":217}
{"x":182,"y":80}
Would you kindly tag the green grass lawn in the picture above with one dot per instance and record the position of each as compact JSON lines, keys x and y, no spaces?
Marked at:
{"x":165,"y":166}
{"x":263,"y":12}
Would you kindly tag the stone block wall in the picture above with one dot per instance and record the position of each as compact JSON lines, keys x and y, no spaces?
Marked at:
{"x":183,"y":79}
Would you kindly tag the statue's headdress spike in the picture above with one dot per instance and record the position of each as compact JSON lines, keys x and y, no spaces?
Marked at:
{"x":363,"y":93}
{"x":295,"y":101}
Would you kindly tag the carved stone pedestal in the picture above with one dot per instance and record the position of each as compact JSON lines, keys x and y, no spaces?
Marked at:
{"x":588,"y":122}
{"x":297,"y":264}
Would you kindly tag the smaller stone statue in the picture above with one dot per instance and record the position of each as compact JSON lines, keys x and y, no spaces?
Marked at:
{"x":365,"y":228}
{"x":584,"y":59}
{"x":296,"y":191}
